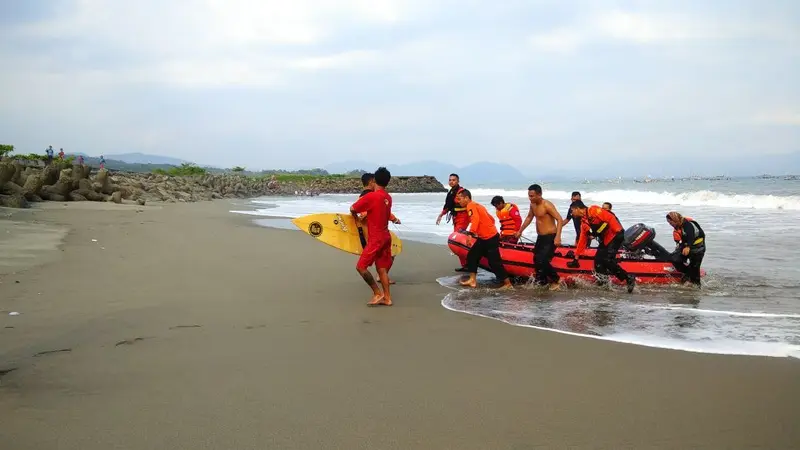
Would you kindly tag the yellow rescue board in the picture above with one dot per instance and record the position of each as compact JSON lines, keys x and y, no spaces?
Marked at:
{"x":339,"y":231}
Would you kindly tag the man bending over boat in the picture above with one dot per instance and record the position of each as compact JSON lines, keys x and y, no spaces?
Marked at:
{"x":487,"y":241}
{"x":368,"y":181}
{"x":509,"y":217}
{"x":603,"y":224}
{"x":548,"y":229}
{"x":690,"y":242}
{"x":378,"y":206}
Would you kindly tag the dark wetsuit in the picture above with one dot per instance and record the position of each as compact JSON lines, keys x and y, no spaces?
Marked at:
{"x":576,"y":222}
{"x":693,"y":237}
{"x":544,"y":250}
{"x":454,"y":211}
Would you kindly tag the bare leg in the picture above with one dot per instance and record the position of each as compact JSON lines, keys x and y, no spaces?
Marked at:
{"x":386,"y":298}
{"x":471,"y":281}
{"x":377,"y":295}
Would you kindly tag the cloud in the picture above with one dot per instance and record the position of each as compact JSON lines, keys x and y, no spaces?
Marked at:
{"x":655,"y":28}
{"x":269,"y":83}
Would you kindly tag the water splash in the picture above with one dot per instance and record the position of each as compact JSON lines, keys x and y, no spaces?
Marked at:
{"x":643,"y":319}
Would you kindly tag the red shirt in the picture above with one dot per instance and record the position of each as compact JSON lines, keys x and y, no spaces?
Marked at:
{"x":602,"y":221}
{"x":378,"y":206}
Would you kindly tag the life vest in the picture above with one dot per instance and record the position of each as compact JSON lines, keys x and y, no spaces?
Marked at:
{"x":597,"y":229}
{"x":677,"y":235}
{"x":457,"y":209}
{"x":507,"y":227}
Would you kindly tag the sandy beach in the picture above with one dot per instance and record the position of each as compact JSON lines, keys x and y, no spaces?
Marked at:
{"x":183,"y":326}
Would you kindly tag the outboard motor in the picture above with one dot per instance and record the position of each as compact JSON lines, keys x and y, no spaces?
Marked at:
{"x":641,"y":238}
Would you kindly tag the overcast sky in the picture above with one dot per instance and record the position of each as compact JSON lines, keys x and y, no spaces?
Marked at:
{"x":304,"y":83}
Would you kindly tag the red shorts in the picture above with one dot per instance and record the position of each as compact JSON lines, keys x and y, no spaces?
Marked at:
{"x":378,"y":252}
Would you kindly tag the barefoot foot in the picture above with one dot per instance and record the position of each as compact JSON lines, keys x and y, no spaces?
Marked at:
{"x":468,"y":282}
{"x":376,"y":300}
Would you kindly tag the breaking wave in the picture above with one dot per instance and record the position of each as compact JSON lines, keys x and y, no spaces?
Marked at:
{"x":689,"y":198}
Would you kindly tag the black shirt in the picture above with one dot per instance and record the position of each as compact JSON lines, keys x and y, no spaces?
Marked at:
{"x":450,"y":200}
{"x":364,"y":192}
{"x":575,"y":221}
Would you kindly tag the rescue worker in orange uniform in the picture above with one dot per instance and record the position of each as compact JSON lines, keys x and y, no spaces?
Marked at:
{"x":604,"y":225}
{"x":454,"y":211}
{"x":690,"y":244}
{"x":509,"y":217}
{"x":487,"y":241}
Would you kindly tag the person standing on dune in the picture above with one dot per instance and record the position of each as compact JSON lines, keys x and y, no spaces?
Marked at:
{"x":378,"y":206}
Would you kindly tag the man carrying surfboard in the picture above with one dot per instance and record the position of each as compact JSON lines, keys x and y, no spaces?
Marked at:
{"x":378,"y":206}
{"x":368,"y":181}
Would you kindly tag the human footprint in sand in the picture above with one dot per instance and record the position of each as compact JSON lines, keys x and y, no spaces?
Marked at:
{"x":487,"y":241}
{"x":378,"y":206}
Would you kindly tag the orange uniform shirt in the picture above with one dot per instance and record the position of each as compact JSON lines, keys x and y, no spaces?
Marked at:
{"x":480,"y":221}
{"x":601,"y":221}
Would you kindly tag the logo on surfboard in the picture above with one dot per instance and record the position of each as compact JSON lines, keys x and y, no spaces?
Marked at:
{"x":315,"y":229}
{"x":339,"y":221}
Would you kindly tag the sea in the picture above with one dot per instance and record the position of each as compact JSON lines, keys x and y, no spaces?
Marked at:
{"x":749,"y":303}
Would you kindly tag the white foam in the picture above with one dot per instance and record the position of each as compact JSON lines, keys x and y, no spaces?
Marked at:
{"x":728,"y":313}
{"x":691,"y":198}
{"x":717,"y":346}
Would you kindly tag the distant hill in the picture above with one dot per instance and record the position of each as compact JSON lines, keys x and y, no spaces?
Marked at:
{"x":144,"y":158}
{"x":479,"y":173}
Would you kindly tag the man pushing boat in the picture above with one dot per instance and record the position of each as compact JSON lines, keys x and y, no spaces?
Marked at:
{"x":487,"y":241}
{"x":603,"y":224}
{"x":548,"y":229}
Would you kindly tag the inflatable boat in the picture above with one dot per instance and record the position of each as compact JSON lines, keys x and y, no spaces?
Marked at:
{"x":640,"y":256}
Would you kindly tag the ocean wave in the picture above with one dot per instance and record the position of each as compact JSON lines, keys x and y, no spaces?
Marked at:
{"x":689,"y":198}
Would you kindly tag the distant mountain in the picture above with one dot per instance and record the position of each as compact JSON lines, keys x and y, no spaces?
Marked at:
{"x":143,"y":158}
{"x":480,"y":173}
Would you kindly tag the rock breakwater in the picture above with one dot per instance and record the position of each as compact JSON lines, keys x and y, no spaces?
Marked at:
{"x":20,"y":185}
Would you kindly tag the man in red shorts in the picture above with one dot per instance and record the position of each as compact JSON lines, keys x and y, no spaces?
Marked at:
{"x":378,"y":206}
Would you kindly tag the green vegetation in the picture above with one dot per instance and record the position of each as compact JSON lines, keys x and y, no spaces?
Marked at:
{"x":30,"y":157}
{"x":185,"y":169}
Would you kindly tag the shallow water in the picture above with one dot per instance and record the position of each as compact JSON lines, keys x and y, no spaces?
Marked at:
{"x":749,"y":303}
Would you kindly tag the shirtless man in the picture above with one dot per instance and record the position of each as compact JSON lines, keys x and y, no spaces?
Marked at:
{"x":548,"y":229}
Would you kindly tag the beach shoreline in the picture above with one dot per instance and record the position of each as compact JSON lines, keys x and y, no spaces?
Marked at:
{"x":205,"y":329}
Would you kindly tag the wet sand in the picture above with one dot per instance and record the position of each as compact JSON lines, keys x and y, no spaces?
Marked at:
{"x":186,"y":327}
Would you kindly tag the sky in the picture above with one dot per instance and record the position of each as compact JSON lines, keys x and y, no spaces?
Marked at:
{"x":277,"y":84}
